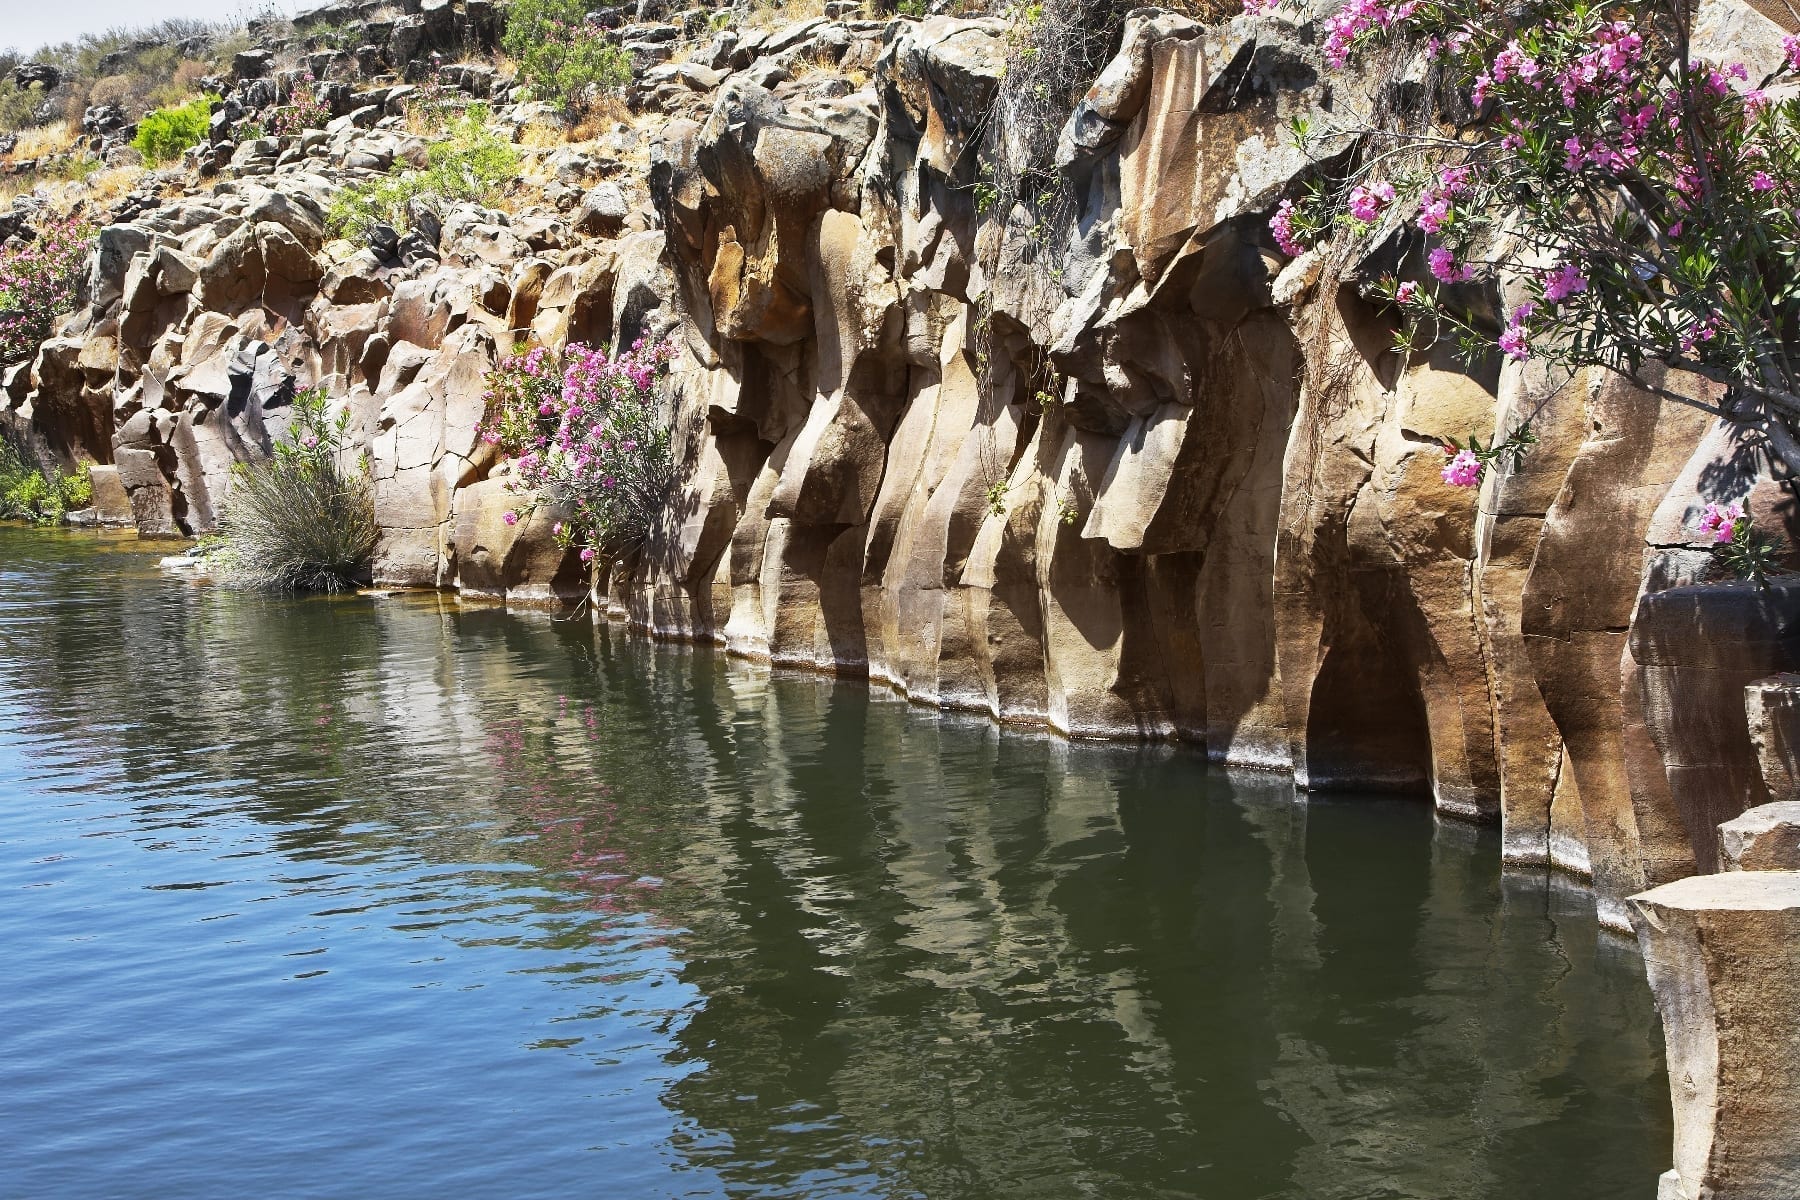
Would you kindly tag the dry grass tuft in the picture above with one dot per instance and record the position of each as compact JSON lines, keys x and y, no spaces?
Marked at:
{"x":58,"y":137}
{"x":774,"y":14}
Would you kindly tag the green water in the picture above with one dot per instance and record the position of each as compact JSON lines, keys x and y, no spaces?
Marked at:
{"x":403,"y":898}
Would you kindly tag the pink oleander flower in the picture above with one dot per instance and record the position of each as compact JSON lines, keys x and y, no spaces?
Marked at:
{"x":1791,"y":45}
{"x":1719,"y":521}
{"x":1282,"y":226}
{"x":1444,"y":268}
{"x":510,"y":517}
{"x":1368,"y":199}
{"x":587,"y":554}
{"x":1513,"y":340}
{"x":1567,"y":280}
{"x":1463,"y":470}
{"x":310,"y":441}
{"x":1762,"y":182}
{"x":1407,"y":292}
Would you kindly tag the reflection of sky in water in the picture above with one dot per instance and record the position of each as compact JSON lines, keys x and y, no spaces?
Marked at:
{"x":395,"y":897}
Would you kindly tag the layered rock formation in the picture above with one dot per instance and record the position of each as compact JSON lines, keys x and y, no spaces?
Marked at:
{"x":1136,"y":476}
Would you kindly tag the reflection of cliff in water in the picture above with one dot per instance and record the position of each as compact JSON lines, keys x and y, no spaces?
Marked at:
{"x":931,"y":958}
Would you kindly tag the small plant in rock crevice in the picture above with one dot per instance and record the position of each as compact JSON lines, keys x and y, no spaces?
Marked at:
{"x":1743,"y":550}
{"x":587,"y":434}
{"x":303,"y":110}
{"x":301,"y":521}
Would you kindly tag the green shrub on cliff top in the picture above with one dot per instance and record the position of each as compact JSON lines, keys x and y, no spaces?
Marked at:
{"x":167,"y":133}
{"x":563,"y":58}
{"x":470,"y":163}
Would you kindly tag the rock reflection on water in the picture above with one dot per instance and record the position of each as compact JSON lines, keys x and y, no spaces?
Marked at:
{"x":750,"y":933}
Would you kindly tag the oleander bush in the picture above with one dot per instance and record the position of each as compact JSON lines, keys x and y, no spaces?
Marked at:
{"x":39,"y":283}
{"x":587,"y":433}
{"x":302,"y":521}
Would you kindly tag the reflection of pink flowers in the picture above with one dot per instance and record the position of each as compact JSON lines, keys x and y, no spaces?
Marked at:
{"x":1719,"y":521}
{"x":1463,"y":470}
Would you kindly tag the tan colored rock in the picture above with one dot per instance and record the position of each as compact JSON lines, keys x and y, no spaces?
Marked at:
{"x":1772,"y":713}
{"x":1576,"y":608}
{"x":521,"y":562}
{"x":1719,"y":952}
{"x":111,"y":503}
{"x":1697,"y":649}
{"x":1764,"y":838}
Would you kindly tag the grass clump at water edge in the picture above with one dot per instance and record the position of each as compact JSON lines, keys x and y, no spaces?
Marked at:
{"x":300,"y":522}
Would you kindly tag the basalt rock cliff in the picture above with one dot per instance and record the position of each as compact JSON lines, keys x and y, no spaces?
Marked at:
{"x":1137,"y":475}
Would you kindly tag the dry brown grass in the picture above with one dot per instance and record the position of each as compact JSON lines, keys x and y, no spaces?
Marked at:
{"x":602,"y":115}
{"x":54,"y":138}
{"x":114,"y":183}
{"x":541,"y":135}
{"x":774,"y":14}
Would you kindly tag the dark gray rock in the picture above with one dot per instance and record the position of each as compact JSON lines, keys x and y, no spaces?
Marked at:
{"x":251,"y":64}
{"x":42,"y":74}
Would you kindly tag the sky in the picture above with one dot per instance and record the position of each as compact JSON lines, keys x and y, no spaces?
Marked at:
{"x":28,"y":24}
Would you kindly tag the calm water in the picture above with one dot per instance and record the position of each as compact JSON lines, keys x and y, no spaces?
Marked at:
{"x":383,"y":898}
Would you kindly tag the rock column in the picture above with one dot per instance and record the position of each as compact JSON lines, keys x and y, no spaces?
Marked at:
{"x":1723,"y":957}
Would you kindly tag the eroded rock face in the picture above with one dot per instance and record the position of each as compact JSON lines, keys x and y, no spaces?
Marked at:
{"x":1720,"y":954}
{"x":1139,"y":476}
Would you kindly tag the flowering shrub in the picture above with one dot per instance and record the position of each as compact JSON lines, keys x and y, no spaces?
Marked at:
{"x":563,"y":58}
{"x":1647,"y":199}
{"x":304,"y":110}
{"x":38,"y":283}
{"x":1741,"y":548}
{"x":587,"y":435}
{"x":301,"y":522}
{"x":1468,"y":463}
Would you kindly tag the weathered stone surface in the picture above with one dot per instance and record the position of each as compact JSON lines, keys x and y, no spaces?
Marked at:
{"x":1719,"y":951}
{"x":1765,"y":838}
{"x":1772,"y":712}
{"x":1697,"y":649}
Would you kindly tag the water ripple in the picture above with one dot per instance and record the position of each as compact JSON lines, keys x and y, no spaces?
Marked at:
{"x":342,"y":897}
